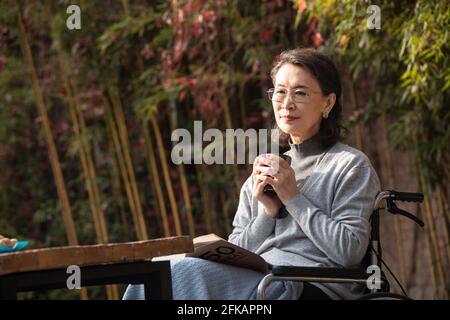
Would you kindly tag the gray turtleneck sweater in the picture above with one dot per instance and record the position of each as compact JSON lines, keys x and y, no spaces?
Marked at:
{"x":328,"y":222}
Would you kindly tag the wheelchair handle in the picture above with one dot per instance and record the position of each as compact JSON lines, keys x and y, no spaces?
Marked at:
{"x":406,"y":196}
{"x":391,"y":196}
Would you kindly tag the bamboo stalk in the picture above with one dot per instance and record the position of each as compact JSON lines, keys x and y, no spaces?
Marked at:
{"x":126,"y":7}
{"x":85,"y":154}
{"x":112,"y":292}
{"x":159,"y":224}
{"x":441,"y":210}
{"x":185,"y":190}
{"x":204,"y":198}
{"x":123,"y":171}
{"x":92,"y":172}
{"x":397,"y":221}
{"x":154,"y":179}
{"x":88,"y":181}
{"x":166,"y":174}
{"x":428,"y":242}
{"x":229,"y":124}
{"x":162,"y":219}
{"x":87,"y":167}
{"x":415,"y":253}
{"x":187,"y":200}
{"x":153,"y":171}
{"x":400,"y":249}
{"x":53,"y":154}
{"x":180,"y":168}
{"x":429,"y":250}
{"x":54,"y":159}
{"x":82,"y":153}
{"x":117,"y":190}
{"x":123,"y":137}
{"x":444,"y":203}
{"x":433,"y":235}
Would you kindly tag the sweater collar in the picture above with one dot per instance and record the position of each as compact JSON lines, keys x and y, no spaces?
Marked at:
{"x":311,"y":146}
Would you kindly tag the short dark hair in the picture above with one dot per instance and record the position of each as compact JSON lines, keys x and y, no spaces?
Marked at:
{"x":326,"y":73}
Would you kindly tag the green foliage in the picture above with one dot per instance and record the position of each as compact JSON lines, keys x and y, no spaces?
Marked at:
{"x":406,"y":63}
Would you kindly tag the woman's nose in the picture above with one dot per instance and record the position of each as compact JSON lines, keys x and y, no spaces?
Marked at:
{"x":288,"y":103}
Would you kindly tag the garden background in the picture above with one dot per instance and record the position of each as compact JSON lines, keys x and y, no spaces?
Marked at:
{"x":86,"y":116}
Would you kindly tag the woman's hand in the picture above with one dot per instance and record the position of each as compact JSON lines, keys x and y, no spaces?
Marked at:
{"x":271,"y":203}
{"x":272,"y":169}
{"x":7,"y":242}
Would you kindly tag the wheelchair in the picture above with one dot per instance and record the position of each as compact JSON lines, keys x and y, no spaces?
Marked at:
{"x":380,"y":287}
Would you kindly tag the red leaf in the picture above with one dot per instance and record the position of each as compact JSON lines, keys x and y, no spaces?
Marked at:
{"x":198,"y":30}
{"x":182,"y":96}
{"x":317,"y":39}
{"x":301,"y":5}
{"x":182,"y":80}
{"x":209,"y":15}
{"x":265,"y":35}
{"x":192,"y":83}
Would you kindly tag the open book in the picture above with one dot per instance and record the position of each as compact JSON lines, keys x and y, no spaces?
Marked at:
{"x":214,"y":248}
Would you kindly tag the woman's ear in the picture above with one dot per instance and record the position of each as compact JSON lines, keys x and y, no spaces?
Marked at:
{"x":331,"y":100}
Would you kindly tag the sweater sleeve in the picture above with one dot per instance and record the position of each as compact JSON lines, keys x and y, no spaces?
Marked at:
{"x":342,"y":234}
{"x":250,"y":229}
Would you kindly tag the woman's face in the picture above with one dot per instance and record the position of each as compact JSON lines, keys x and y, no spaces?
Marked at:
{"x":301,"y":120}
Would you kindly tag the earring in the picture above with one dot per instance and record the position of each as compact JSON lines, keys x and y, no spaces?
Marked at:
{"x":325,"y":115}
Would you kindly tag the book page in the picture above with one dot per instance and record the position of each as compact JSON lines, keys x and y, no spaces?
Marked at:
{"x":212,"y":247}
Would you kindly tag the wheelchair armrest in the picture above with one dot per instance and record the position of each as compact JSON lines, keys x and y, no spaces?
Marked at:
{"x":319,"y":272}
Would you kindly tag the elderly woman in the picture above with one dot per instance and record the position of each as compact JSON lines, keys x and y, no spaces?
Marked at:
{"x":319,"y":212}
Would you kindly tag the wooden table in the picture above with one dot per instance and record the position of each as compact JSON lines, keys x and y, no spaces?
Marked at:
{"x":130,"y":262}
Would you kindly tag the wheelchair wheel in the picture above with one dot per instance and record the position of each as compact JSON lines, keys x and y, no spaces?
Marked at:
{"x":383,"y":296}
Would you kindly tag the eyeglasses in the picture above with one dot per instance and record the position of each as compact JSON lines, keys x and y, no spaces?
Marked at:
{"x":299,"y":95}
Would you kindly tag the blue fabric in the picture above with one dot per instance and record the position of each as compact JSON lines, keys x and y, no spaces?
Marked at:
{"x":18,"y":246}
{"x":199,"y":279}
